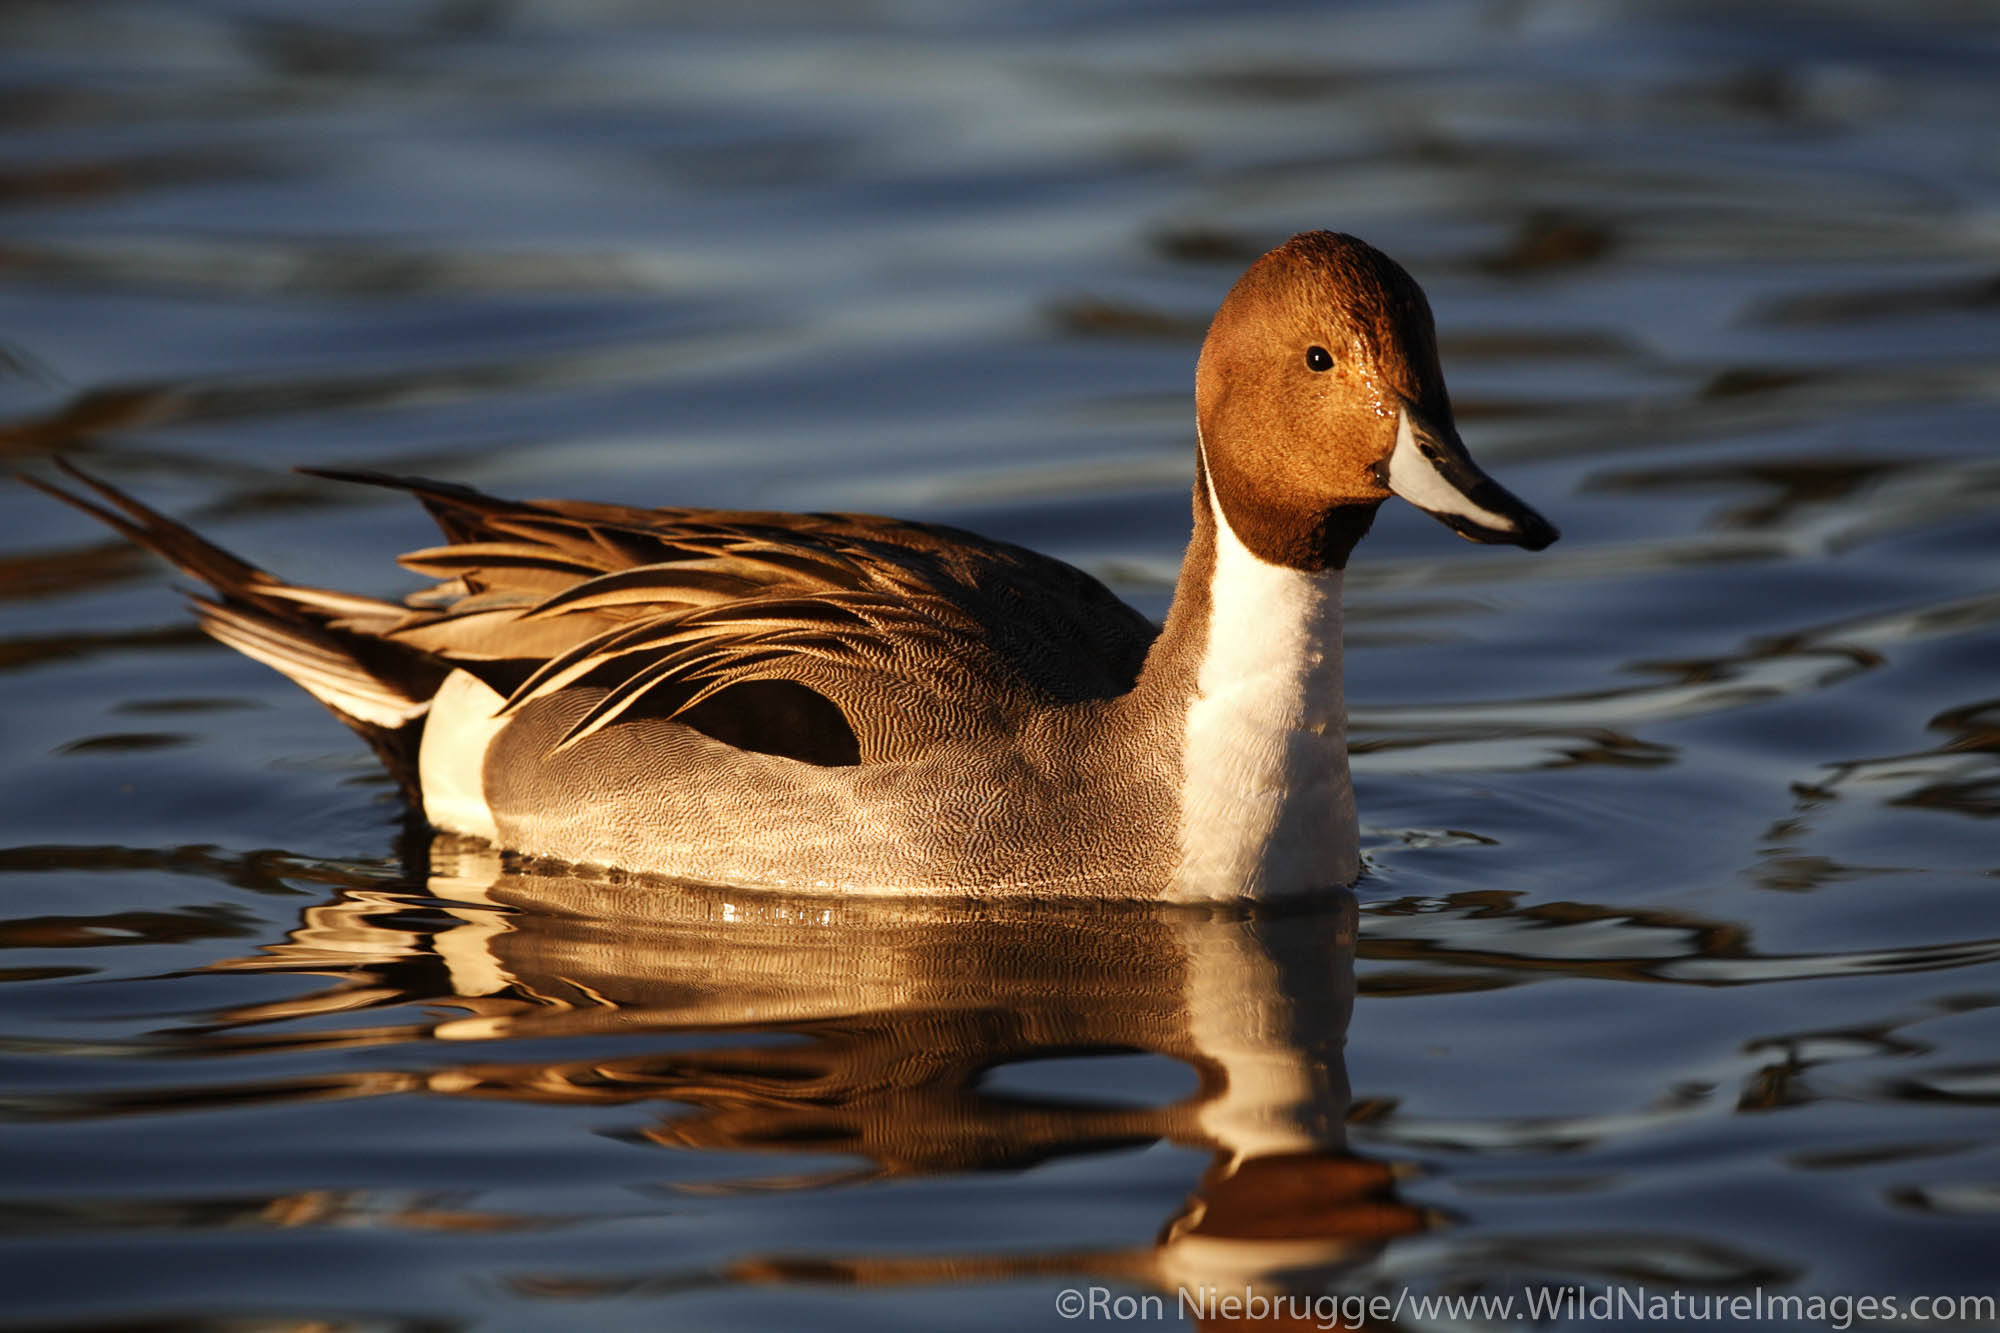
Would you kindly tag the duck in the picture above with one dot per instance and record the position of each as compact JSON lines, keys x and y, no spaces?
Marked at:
{"x":860,"y":705}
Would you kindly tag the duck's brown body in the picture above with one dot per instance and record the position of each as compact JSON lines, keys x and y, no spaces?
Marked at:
{"x":855,"y":759}
{"x":869,"y":706}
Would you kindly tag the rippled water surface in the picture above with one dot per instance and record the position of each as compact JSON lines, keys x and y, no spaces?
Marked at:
{"x":1676,"y":963}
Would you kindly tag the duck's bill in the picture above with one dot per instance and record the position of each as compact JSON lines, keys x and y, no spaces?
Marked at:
{"x":1432,"y":471}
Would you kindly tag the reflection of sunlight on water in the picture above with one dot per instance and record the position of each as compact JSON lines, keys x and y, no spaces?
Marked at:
{"x":1676,"y":953}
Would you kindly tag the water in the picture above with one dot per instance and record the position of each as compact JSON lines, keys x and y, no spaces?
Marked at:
{"x":1675,"y":967}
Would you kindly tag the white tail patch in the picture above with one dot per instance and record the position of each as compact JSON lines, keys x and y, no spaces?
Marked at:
{"x":451,"y":766}
{"x":1267,"y":805}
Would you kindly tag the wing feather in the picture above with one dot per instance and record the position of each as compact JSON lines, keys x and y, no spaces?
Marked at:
{"x":447,"y":561}
{"x":670,"y":607}
{"x":688,"y":582}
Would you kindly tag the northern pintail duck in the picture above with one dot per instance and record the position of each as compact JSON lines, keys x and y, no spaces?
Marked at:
{"x":865,"y":705}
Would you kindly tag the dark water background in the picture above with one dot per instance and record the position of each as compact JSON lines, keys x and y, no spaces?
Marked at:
{"x":1677,"y":960}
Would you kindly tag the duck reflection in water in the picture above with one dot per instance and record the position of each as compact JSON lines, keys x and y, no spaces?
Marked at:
{"x":899,"y":1013}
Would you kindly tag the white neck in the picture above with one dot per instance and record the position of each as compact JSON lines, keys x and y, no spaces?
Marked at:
{"x":1267,"y":806}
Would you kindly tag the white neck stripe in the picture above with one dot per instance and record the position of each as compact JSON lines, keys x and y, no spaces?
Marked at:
{"x":1267,"y":806}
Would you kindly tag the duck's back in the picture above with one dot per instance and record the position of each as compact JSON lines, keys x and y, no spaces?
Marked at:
{"x":771,"y":631}
{"x":775,"y":698}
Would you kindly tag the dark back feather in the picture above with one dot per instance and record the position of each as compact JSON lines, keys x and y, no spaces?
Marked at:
{"x":689,"y":613}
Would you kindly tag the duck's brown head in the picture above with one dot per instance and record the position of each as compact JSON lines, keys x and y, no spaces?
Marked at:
{"x":1319,"y":396}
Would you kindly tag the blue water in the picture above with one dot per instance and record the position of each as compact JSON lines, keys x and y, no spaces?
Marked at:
{"x":1675,"y":966}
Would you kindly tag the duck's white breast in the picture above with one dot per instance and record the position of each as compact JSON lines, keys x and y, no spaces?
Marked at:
{"x":1267,"y":806}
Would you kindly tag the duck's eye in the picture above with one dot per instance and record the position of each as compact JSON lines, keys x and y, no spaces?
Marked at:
{"x":1318,"y":358}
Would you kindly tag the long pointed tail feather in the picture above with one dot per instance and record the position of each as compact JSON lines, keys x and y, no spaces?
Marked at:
{"x":325,"y":641}
{"x":149,"y":528}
